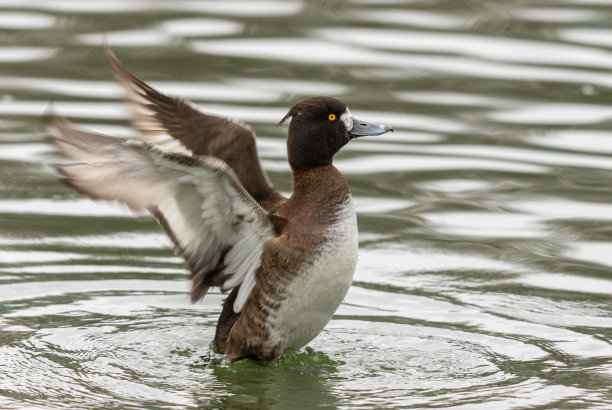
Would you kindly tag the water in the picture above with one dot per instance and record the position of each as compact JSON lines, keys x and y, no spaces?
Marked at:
{"x":485,"y":218}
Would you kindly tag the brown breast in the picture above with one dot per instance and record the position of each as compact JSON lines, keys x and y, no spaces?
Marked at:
{"x":318,"y":193}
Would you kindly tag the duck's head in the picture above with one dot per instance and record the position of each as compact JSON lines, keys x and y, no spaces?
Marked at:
{"x":319,"y":127}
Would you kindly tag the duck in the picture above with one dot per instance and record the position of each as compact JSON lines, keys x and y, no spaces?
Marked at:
{"x":287,"y":262}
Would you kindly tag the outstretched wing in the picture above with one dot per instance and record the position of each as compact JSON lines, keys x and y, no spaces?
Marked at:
{"x":179,"y":126}
{"x":214,"y":223}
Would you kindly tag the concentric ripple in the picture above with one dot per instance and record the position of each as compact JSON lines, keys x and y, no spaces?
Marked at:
{"x":485,"y":217}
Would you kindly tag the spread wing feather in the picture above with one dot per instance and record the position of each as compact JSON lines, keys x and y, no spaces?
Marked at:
{"x":179,"y":126}
{"x":214,"y":222}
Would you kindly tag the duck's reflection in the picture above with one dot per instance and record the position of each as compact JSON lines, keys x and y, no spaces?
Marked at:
{"x":295,"y":379}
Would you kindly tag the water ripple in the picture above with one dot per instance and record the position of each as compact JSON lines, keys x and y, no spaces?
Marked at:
{"x":25,"y":21}
{"x":556,"y":14}
{"x":167,"y":32}
{"x":15,"y":54}
{"x":325,"y":52}
{"x":504,"y":49}
{"x":266,"y":8}
{"x":483,"y":278}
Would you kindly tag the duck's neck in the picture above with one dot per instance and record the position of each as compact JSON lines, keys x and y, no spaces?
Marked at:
{"x":324,"y":182}
{"x":319,"y":195}
{"x":301,"y":161}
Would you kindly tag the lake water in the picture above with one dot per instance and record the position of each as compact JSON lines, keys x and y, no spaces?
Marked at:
{"x":484,"y":278}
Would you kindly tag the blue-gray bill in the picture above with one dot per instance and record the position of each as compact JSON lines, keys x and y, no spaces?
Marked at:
{"x":362,"y":129}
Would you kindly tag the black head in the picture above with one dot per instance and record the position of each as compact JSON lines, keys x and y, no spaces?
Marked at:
{"x":319,"y":127}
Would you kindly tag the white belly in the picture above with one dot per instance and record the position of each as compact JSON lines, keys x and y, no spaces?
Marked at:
{"x":317,"y":291}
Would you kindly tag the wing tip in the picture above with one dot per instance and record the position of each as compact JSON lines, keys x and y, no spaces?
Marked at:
{"x":57,"y":129}
{"x":54,"y":122}
{"x":111,"y":58}
{"x":237,"y":306}
{"x":118,"y":70}
{"x":198,"y":293}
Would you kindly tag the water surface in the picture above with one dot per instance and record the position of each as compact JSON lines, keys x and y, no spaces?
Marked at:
{"x":484,"y":278}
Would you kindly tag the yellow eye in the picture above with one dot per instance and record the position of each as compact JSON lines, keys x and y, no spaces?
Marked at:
{"x":332,"y":117}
